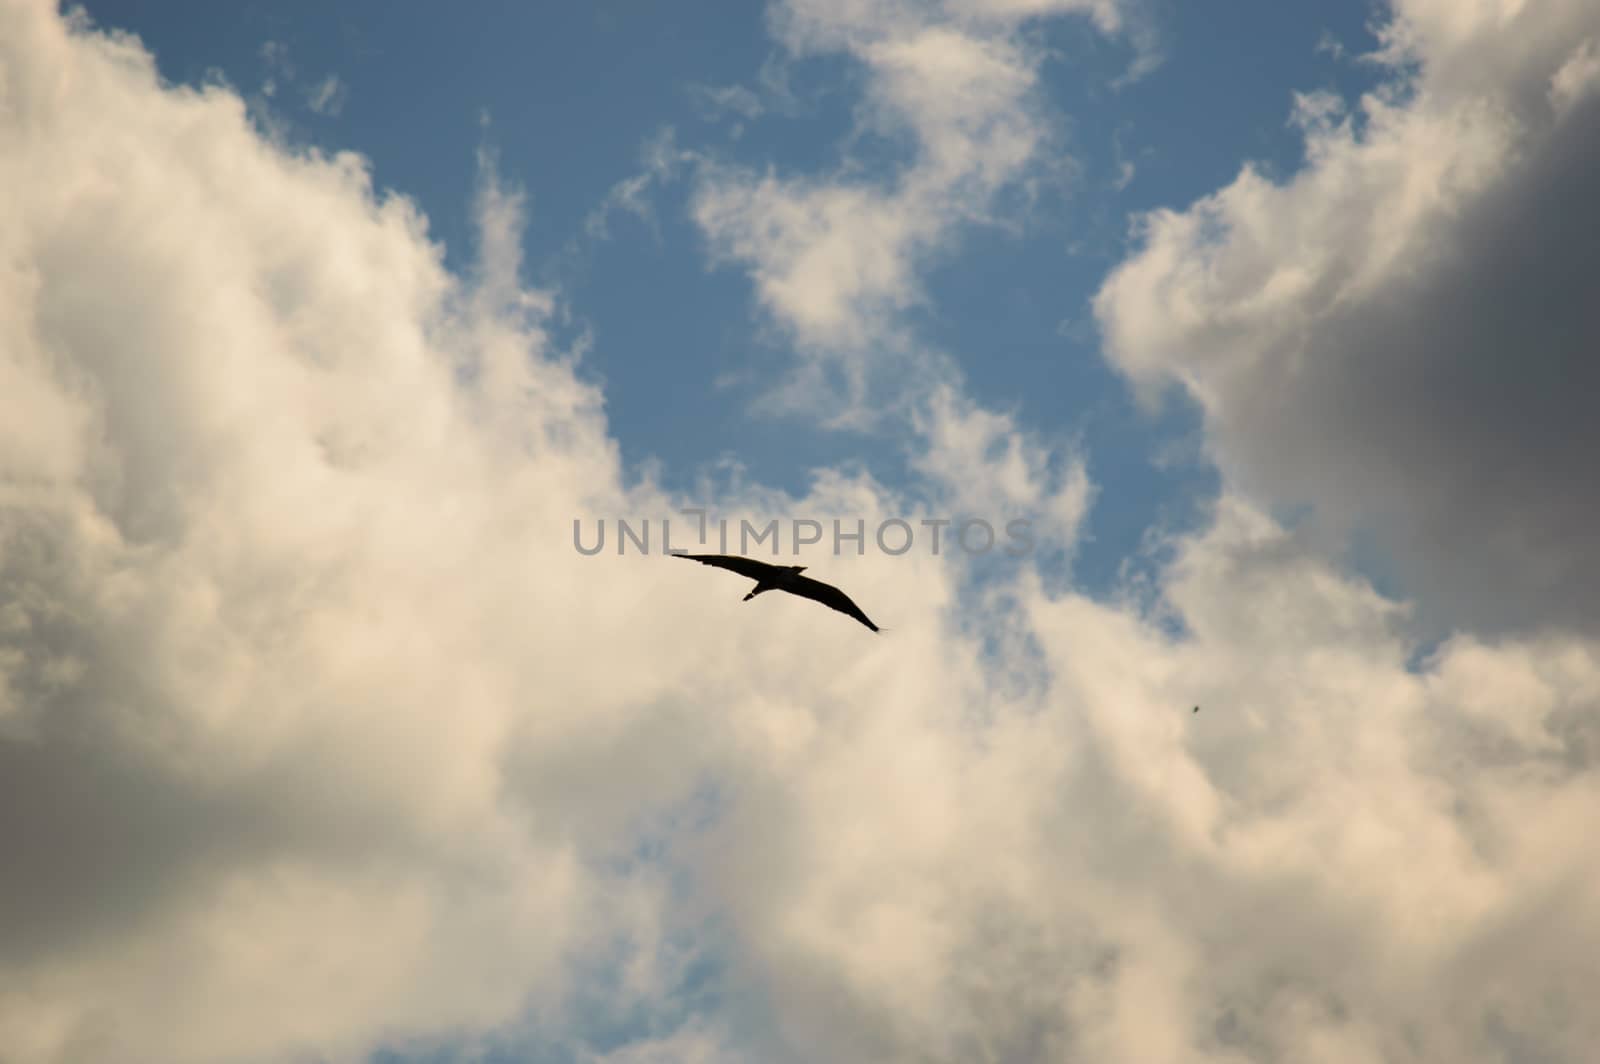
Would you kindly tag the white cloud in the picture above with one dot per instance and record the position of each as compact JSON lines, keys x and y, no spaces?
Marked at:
{"x":1578,"y":77}
{"x":662,"y":161}
{"x":1126,"y":167}
{"x":247,"y":550}
{"x":984,"y":464}
{"x":275,"y":60}
{"x":1401,"y":332}
{"x":718,"y":100}
{"x":327,"y":97}
{"x":315,"y":733}
{"x":835,"y":258}
{"x":1328,"y":44}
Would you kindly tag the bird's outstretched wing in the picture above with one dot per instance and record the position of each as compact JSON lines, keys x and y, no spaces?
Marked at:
{"x":829,"y":596}
{"x":755,"y":570}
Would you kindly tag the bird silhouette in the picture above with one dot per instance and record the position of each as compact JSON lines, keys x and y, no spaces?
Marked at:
{"x":783,"y":578}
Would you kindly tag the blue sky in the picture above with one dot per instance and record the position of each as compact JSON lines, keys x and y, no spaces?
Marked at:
{"x":569,"y":98}
{"x":319,"y":741}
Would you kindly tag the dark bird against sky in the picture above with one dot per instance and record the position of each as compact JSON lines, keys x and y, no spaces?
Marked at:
{"x":783,"y":578}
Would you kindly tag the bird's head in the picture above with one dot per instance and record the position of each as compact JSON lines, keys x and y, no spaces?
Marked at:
{"x":797,"y":568}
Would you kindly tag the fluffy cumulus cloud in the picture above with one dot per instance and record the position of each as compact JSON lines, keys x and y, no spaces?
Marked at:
{"x":254,"y":435}
{"x":1403,"y":333}
{"x":318,"y":736}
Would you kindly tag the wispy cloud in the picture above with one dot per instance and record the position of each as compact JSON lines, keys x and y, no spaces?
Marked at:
{"x":323,"y":97}
{"x":718,"y":101}
{"x":327,"y":97}
{"x":1331,"y":46}
{"x":662,"y":161}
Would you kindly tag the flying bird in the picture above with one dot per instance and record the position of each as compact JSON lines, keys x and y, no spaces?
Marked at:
{"x":783,"y":578}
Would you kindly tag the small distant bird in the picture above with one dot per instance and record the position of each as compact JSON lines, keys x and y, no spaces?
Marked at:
{"x":783,"y":578}
{"x":1197,"y":709}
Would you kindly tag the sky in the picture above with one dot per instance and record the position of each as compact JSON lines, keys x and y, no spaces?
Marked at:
{"x":322,"y":326}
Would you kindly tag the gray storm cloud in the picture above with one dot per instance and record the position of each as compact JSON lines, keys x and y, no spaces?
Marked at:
{"x":1404,"y":332}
